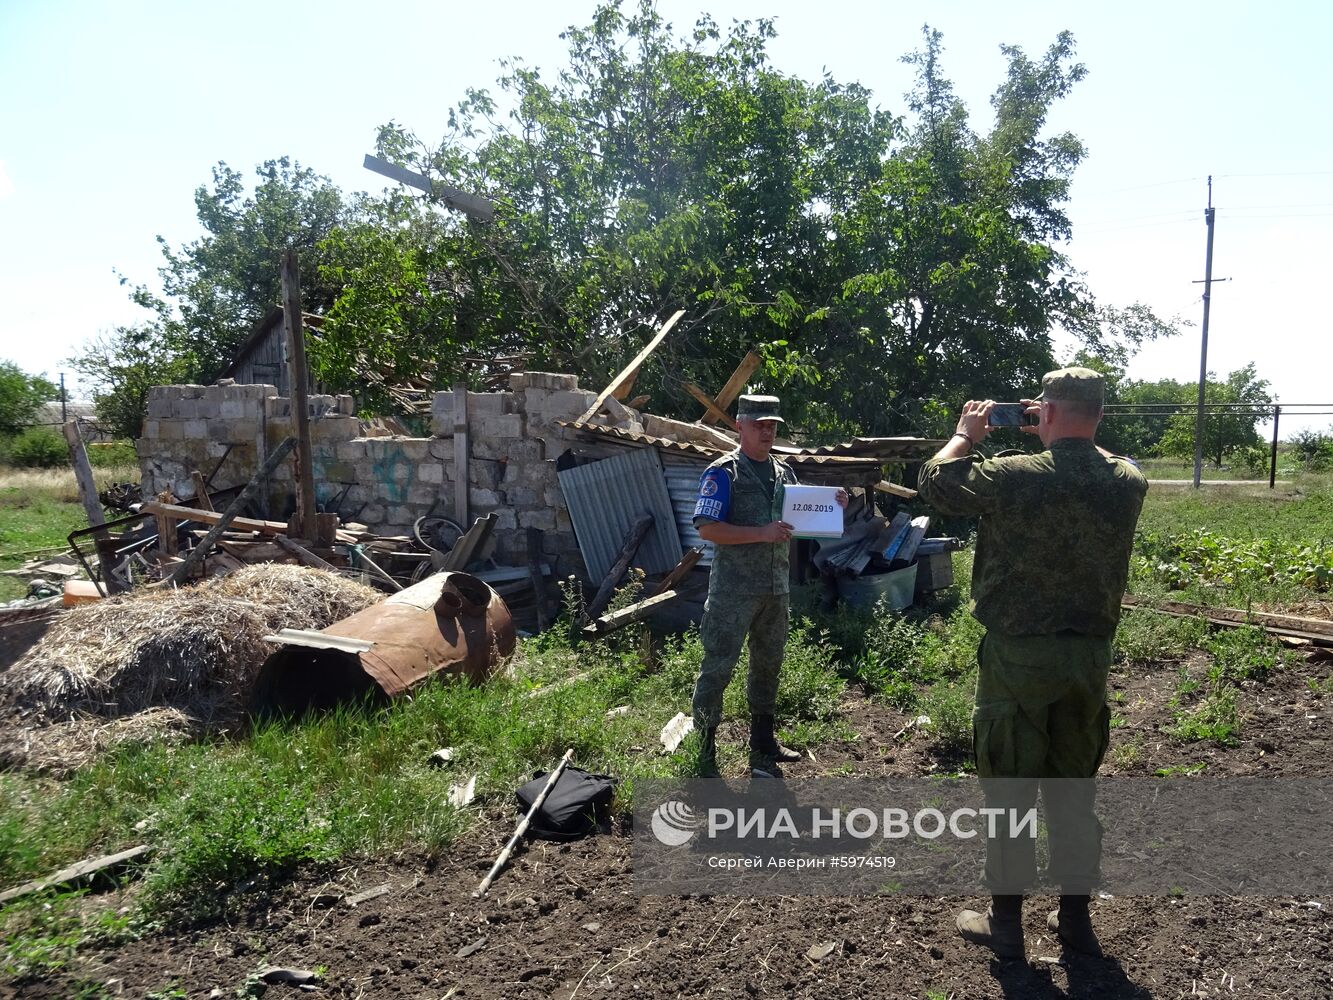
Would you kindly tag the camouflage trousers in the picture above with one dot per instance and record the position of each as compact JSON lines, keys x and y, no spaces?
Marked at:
{"x":728,"y":619}
{"x":1040,"y":722}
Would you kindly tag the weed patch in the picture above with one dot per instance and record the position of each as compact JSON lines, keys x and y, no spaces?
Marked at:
{"x":1214,"y":719}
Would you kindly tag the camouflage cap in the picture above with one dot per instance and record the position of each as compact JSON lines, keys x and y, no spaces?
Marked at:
{"x":758,"y":408}
{"x":1074,"y":384}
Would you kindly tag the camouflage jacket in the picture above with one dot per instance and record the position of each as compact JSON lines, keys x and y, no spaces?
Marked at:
{"x":1055,"y":536}
{"x":731,"y":490}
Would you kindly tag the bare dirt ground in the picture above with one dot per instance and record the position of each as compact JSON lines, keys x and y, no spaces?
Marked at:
{"x":564,"y":921}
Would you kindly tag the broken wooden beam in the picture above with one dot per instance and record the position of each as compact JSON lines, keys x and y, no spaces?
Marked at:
{"x":298,"y":377}
{"x":709,"y":406}
{"x":234,"y":508}
{"x":679,"y":571}
{"x":304,"y":555}
{"x":894,"y":490}
{"x":630,"y":370}
{"x":735,"y":385}
{"x":83,"y":476}
{"x":617,"y":620}
{"x":633,"y":539}
{"x":81,"y":873}
{"x":1314,"y":630}
{"x":201,"y":498}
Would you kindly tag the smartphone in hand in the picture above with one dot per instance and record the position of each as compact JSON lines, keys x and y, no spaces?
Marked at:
{"x":1008,"y":415}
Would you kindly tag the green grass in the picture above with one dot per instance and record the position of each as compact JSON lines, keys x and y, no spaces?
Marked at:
{"x":38,"y":509}
{"x":1214,"y":719}
{"x":357,"y":781}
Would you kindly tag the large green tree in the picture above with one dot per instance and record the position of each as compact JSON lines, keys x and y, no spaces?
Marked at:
{"x":1225,"y":431}
{"x":216,"y":287}
{"x":882,"y":265}
{"x":21,"y":395}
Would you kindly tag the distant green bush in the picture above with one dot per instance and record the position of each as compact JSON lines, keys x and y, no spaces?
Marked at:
{"x":37,"y":448}
{"x":110,"y":454}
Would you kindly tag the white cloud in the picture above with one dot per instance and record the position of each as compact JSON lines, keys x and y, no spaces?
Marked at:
{"x":6,"y":185}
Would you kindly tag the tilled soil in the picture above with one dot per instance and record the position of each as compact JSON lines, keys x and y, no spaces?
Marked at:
{"x":563,"y":921}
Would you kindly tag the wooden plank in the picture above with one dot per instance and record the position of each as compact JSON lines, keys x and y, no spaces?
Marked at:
{"x":710,"y":406}
{"x":201,"y":497}
{"x":1316,"y":630}
{"x":224,"y":519}
{"x":79,"y":873}
{"x":177,"y":512}
{"x":302,"y":553}
{"x":680,"y":571}
{"x":299,"y":379}
{"x":633,"y":539}
{"x":627,"y":616}
{"x":734,"y":385}
{"x":894,"y":490}
{"x":167,"y":542}
{"x":629,"y":370}
{"x":460,"y":454}
{"x":83,"y":475}
{"x":638,"y":402}
{"x":469,"y":204}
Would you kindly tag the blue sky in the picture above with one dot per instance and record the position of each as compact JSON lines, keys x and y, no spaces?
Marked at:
{"x":113,"y":114}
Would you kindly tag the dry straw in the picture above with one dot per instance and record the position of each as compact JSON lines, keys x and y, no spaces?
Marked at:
{"x":158,"y":662}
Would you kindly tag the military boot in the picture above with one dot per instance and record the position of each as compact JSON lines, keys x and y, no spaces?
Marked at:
{"x":764,"y":745}
{"x":1000,"y":928}
{"x":1072,"y":924}
{"x":706,"y":763}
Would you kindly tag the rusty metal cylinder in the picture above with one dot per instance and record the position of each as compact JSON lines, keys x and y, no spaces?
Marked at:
{"x":449,"y":624}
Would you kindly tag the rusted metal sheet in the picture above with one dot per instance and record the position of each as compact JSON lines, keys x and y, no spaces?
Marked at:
{"x":450,"y":623}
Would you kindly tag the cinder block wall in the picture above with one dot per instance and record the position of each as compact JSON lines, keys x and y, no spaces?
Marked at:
{"x":513,"y":441}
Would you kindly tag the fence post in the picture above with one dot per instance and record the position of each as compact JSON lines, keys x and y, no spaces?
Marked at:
{"x":1272,"y":461}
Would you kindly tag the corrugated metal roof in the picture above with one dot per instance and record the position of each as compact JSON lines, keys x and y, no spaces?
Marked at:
{"x":888,"y":448}
{"x":682,"y":481}
{"x":605,"y":498}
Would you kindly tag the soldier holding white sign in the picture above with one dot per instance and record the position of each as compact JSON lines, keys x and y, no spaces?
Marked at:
{"x":739,"y":510}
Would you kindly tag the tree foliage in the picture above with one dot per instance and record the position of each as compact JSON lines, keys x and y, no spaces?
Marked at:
{"x":215,"y":288}
{"x":21,"y":395}
{"x":877,"y":262}
{"x":1164,"y":421}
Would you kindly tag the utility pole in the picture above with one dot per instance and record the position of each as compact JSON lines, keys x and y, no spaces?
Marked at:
{"x":1209,"y":216}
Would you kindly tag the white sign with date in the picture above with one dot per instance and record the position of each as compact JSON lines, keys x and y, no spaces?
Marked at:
{"x":812,"y":511}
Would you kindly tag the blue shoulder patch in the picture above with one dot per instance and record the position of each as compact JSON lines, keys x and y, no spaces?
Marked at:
{"x":714,"y":495}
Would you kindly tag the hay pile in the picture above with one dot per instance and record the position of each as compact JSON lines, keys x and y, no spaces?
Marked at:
{"x":173,"y":661}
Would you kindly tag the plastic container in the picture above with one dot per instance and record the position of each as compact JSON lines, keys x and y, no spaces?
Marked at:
{"x":894,"y":588}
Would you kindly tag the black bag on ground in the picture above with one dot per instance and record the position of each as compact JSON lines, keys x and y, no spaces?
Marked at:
{"x":579,"y":804}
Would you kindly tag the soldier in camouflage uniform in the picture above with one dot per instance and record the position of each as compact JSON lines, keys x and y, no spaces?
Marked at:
{"x":739,"y":510}
{"x":1052,"y":559}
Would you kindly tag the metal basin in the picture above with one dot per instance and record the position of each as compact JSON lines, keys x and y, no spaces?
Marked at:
{"x":450,"y":623}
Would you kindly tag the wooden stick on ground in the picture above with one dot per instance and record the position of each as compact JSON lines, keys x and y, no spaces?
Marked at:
{"x":523,"y":825}
{"x":617,"y":620}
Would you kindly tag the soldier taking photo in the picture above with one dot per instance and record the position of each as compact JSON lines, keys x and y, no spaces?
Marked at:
{"x":1052,"y":558}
